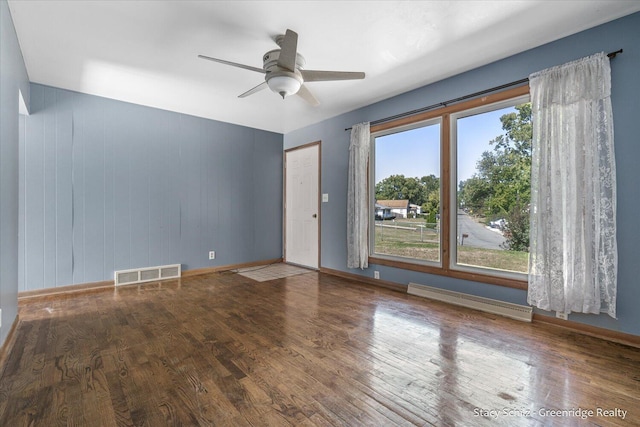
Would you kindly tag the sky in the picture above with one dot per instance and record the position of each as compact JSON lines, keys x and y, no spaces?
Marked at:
{"x":416,"y":153}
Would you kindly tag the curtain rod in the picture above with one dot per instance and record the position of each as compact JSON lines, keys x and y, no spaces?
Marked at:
{"x":463,"y":98}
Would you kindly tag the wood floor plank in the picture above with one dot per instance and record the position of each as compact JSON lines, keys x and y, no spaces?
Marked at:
{"x":309,"y":350}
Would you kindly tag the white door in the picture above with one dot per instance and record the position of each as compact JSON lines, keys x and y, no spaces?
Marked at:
{"x":302,"y":210}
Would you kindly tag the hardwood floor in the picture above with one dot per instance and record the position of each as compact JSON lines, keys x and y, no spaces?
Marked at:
{"x":312,"y":349}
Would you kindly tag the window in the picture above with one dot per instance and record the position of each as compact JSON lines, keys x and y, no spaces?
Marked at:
{"x":492,"y":166}
{"x":450,"y":190}
{"x":407,"y":192}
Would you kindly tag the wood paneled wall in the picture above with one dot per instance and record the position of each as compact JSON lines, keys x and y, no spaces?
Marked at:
{"x":107,"y":185}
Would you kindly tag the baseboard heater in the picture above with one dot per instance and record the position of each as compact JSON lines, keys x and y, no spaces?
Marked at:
{"x":147,"y":274}
{"x":514,"y":311}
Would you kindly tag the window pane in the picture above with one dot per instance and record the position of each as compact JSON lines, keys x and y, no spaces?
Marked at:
{"x":407,"y":194}
{"x":494,"y":190}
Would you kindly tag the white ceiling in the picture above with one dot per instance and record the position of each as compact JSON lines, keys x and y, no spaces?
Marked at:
{"x":145,"y":52}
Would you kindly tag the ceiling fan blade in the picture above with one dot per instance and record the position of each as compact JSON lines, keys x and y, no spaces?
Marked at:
{"x":306,"y":94}
{"x":233,"y":64}
{"x":324,"y":76}
{"x":258,"y":88}
{"x":288,"y":51}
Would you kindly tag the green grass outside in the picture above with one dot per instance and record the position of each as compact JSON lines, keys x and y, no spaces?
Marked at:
{"x":403,"y":238}
{"x":494,"y":258}
{"x":408,"y":240}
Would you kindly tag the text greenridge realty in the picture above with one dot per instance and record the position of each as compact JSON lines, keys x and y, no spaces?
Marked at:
{"x":581,"y":413}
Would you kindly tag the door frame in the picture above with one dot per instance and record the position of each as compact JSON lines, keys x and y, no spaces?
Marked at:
{"x":319,"y":199}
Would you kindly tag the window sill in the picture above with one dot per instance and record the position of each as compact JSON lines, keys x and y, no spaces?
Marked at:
{"x":457,"y":274}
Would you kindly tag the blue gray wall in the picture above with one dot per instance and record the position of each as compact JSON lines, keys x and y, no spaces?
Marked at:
{"x":107,"y":185}
{"x":13,"y":78}
{"x":622,"y":33}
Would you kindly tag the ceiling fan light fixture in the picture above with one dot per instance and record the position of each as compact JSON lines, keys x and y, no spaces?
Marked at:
{"x":284,"y":71}
{"x":285,"y":85}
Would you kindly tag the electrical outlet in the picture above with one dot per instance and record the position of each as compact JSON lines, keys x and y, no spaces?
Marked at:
{"x":561,"y":315}
{"x":212,"y":254}
{"x":376,"y":274}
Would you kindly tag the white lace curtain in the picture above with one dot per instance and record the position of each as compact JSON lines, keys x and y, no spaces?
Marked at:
{"x":573,"y":253}
{"x":357,"y":198}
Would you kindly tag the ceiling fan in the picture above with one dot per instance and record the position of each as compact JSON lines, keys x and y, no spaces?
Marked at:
{"x":284,"y":70}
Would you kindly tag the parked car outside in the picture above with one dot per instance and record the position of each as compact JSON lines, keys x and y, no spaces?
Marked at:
{"x":385,"y":215}
{"x":498,"y":223}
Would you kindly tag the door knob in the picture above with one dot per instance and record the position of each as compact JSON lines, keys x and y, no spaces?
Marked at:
{"x":315,"y":215}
